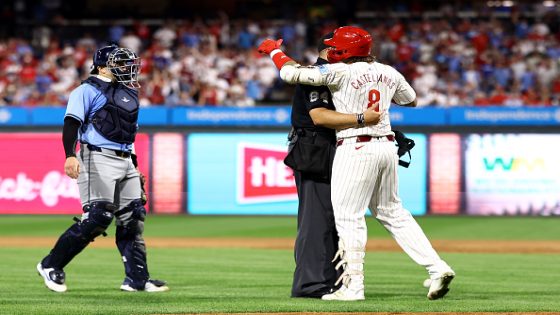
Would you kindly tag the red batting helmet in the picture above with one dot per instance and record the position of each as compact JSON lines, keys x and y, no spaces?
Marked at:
{"x":349,"y":41}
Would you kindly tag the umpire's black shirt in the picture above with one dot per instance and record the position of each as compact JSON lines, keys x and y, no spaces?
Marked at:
{"x":308,"y":97}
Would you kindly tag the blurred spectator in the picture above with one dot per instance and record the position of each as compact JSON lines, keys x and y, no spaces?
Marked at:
{"x":116,"y":32}
{"x":504,"y":61}
{"x":131,"y":41}
{"x":166,"y":35}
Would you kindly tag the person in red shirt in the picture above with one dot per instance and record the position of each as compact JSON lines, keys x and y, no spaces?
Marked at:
{"x":480,"y":99}
{"x":531,"y":98}
{"x":396,"y":32}
{"x":404,"y":51}
{"x":28,"y":69}
{"x":498,"y":96}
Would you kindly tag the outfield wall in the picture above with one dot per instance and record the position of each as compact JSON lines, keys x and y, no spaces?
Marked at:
{"x":237,"y":169}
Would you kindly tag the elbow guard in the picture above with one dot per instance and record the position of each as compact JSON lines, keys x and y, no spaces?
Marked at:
{"x":287,"y":74}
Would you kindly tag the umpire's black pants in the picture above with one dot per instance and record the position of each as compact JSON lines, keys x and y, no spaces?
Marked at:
{"x":317,"y":240}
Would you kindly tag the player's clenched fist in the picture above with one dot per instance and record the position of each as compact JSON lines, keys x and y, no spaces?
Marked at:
{"x":371,"y":116}
{"x":279,"y":58}
{"x":72,"y":167}
{"x":268,"y":45}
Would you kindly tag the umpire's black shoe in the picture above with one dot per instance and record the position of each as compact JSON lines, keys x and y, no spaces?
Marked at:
{"x":316,"y":294}
{"x":54,"y":279}
{"x":151,"y":285}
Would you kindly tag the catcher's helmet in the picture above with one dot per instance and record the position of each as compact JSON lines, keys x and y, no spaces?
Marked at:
{"x":349,"y":41}
{"x":102,"y":55}
{"x":124,"y":64}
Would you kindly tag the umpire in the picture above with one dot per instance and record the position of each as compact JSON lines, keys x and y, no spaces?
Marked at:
{"x":311,"y":153}
{"x":102,"y":114}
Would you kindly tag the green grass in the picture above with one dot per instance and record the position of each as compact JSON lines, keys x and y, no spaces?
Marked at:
{"x":445,"y":227}
{"x":245,"y":280}
{"x":254,"y":280}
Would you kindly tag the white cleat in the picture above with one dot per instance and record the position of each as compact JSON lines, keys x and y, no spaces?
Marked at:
{"x":54,"y":279}
{"x":151,"y":286}
{"x":440,"y":286}
{"x":345,"y":294}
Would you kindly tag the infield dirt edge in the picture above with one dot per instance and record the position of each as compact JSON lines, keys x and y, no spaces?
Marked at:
{"x":458,"y":246}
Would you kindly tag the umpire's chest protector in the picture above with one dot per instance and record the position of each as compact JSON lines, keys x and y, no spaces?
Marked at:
{"x":117,"y":120}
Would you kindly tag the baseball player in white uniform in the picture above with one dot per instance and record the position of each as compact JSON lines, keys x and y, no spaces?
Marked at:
{"x":364,"y":172}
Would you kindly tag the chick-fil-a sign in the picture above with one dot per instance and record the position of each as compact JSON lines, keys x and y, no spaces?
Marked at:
{"x":32,"y":179}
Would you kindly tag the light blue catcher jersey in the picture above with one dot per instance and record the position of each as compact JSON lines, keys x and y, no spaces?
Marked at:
{"x":83,"y":102}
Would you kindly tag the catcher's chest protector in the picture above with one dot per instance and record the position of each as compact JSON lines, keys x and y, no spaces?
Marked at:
{"x":117,"y":120}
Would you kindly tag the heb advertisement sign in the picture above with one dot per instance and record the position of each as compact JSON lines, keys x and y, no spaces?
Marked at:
{"x":239,"y":173}
{"x":263,"y":176}
{"x":244,"y":174}
{"x":32,"y":178}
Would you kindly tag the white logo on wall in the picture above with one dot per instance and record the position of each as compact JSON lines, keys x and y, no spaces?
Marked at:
{"x":5,"y":116}
{"x":557,"y":115}
{"x":53,"y":186}
{"x":281,"y":115}
{"x":396,"y":116}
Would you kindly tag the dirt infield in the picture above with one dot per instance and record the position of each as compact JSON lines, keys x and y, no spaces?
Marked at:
{"x":458,"y":246}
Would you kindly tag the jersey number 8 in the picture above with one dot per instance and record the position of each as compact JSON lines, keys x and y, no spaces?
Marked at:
{"x":373,"y":98}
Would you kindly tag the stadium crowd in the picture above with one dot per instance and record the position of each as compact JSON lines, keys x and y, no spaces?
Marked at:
{"x":450,"y":61}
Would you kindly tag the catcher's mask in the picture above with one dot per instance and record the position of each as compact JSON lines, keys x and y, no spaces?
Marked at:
{"x":124,"y":64}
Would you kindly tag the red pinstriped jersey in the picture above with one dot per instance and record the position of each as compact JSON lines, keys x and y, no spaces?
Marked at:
{"x":355,"y":87}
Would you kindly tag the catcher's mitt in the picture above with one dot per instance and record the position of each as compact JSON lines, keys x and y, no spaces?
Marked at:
{"x":143,"y":195}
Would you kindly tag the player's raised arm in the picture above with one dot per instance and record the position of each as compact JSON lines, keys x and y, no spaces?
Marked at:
{"x":291,"y":71}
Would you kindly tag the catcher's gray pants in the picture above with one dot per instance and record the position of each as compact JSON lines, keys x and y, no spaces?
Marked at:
{"x":104,"y":176}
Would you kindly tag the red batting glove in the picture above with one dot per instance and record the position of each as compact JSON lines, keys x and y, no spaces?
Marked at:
{"x":268,"y":45}
{"x":272,"y":47}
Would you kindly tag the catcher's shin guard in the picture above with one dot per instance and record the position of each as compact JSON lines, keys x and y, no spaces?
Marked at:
{"x":130,"y":227}
{"x":97,"y":217}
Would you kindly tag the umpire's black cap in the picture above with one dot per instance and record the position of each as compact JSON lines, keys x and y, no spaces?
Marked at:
{"x":321,"y":44}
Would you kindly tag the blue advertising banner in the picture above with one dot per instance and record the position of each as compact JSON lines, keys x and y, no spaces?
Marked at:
{"x":244,"y":174}
{"x":153,"y":116}
{"x":226,"y":116}
{"x":504,"y":116}
{"x":54,"y":116}
{"x":10,"y":116}
{"x":279,"y":116}
{"x":48,"y":116}
{"x":417,"y":116}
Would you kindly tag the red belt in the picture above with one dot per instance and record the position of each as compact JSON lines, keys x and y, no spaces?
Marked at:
{"x":366,"y":138}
